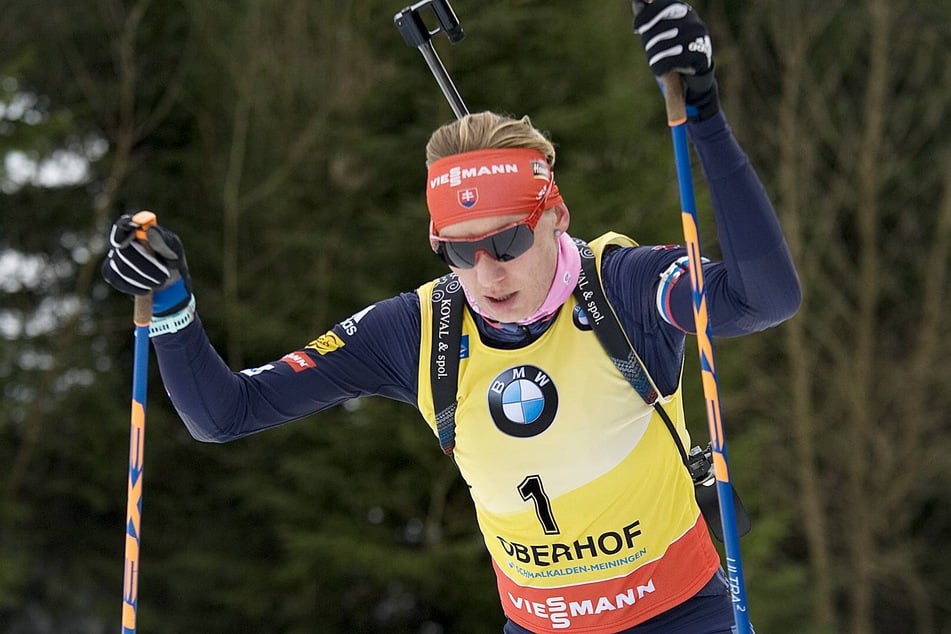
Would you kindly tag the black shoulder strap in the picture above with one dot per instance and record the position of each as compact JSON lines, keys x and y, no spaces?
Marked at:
{"x":448,"y":303}
{"x":606,"y":326}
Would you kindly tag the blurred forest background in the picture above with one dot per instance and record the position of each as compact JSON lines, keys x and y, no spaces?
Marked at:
{"x":283,"y":140}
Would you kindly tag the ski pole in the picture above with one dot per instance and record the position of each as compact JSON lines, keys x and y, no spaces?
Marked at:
{"x":416,"y":34}
{"x":677,"y":120}
{"x":141,"y":317}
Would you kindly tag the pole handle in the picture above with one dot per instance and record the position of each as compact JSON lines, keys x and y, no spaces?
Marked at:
{"x":142,"y":311}
{"x":673,"y":87}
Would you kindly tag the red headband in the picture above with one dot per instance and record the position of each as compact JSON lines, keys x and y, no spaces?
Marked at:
{"x":487,"y":183}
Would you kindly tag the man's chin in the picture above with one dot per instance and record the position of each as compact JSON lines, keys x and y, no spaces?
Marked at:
{"x":505,"y":312}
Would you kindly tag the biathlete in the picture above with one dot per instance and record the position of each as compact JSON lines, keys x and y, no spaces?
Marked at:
{"x":582,"y":498}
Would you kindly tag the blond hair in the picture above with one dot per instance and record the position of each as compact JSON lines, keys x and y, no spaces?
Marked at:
{"x":487,"y":130}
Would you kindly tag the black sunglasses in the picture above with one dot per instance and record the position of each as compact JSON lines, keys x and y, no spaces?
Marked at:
{"x":504,"y":245}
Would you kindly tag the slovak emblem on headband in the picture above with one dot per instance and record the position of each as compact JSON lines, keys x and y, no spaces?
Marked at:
{"x":468,"y":197}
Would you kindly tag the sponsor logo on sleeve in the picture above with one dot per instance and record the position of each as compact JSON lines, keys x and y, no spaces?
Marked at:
{"x":298,"y":361}
{"x":327,"y":342}
{"x":349,"y":325}
{"x":258,"y":370}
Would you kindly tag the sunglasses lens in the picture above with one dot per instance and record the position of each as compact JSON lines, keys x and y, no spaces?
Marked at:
{"x":503,"y":246}
{"x":511,"y":243}
{"x":458,"y":254}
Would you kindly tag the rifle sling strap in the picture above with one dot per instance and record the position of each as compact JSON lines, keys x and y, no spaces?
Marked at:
{"x":448,"y":304}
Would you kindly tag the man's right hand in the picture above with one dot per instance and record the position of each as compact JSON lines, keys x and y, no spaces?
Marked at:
{"x":136,"y":268}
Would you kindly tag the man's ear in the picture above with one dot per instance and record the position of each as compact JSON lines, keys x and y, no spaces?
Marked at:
{"x":562,"y":217}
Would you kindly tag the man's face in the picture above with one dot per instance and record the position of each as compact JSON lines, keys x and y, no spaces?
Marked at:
{"x":513,"y":290}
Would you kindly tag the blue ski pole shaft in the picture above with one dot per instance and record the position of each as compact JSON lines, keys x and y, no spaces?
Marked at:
{"x":677,"y":120}
{"x":142,"y":317}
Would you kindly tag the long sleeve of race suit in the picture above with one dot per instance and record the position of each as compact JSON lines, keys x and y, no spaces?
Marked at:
{"x":375,"y":352}
{"x":757,"y":286}
{"x":753,"y":287}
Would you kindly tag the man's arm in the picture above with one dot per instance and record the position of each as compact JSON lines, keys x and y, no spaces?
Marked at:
{"x":373,"y":354}
{"x":756,"y":285}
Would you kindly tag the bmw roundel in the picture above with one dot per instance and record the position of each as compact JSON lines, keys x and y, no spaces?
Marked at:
{"x":579,"y":317}
{"x":523,"y":401}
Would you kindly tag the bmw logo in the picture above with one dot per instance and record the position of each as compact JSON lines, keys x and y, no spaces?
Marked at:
{"x":579,"y":317}
{"x":523,"y":401}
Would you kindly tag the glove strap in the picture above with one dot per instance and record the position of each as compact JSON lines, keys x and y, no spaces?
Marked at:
{"x":702,"y":96}
{"x":174,"y":322}
{"x":171,"y":299}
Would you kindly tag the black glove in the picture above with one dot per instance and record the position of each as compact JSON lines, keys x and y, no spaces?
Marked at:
{"x":136,"y":269}
{"x":675,"y":39}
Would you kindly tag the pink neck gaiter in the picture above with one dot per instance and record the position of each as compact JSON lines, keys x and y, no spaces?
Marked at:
{"x":562,"y":285}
